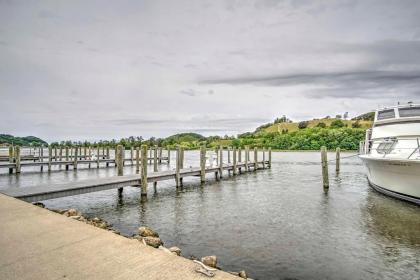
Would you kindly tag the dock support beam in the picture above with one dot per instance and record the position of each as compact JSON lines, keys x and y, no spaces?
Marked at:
{"x":75,"y":158}
{"x":234,"y":161}
{"x":144,"y":170}
{"x":337,"y":160}
{"x":239,"y":158}
{"x":119,"y":160}
{"x":177,"y":167}
{"x":17,"y":159}
{"x":49,"y":157}
{"x":67,"y":157}
{"x":221,"y":162}
{"x":169,"y":155}
{"x":324,"y":164}
{"x":269,"y":157}
{"x":155,"y":164}
{"x":246,"y":158}
{"x":255,"y":159}
{"x":203,"y":163}
{"x":11,"y":158}
{"x":107,"y":156}
{"x":137,"y":160}
{"x":97,"y":157}
{"x":41,"y":156}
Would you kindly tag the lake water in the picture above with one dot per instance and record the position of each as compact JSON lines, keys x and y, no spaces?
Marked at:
{"x":275,"y":224}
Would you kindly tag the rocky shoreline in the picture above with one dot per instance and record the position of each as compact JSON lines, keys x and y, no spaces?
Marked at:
{"x":145,"y":235}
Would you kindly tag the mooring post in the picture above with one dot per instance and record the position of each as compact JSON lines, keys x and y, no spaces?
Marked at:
{"x":203,"y":163}
{"x":67,"y":157}
{"x":177,"y":166}
{"x":103,"y":152}
{"x":150,"y":154}
{"x":55,"y":154}
{"x":234,"y":161}
{"x":269,"y":157}
{"x":41,"y":157}
{"x":75,"y":159}
{"x":169,"y":155}
{"x":11,"y":158}
{"x":17,"y":159}
{"x":137,"y":160}
{"x":119,"y":160}
{"x":246,"y":158}
{"x":181,"y":165}
{"x":263,"y":155}
{"x":228,"y":150}
{"x":97,"y":157}
{"x":85,"y":153}
{"x":107,"y":156}
{"x":239,"y":158}
{"x":324,"y":163}
{"x":61,"y":154}
{"x":337,"y":160}
{"x":143,"y":170}
{"x":155,"y":164}
{"x":131,"y":155}
{"x":221,"y":162}
{"x":49,"y":157}
{"x":160,"y":154}
{"x":255,"y":158}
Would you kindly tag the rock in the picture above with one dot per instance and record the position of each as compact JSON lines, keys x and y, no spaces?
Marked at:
{"x":175,"y":250}
{"x":146,"y":231}
{"x":153,"y":241}
{"x":72,"y":212}
{"x":166,"y":250}
{"x":242,"y":274}
{"x":39,"y":204}
{"x":76,"y":217}
{"x":96,"y":220}
{"x":210,"y":261}
{"x":234,"y":273}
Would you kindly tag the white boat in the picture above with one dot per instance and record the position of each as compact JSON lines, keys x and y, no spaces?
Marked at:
{"x":391,"y":152}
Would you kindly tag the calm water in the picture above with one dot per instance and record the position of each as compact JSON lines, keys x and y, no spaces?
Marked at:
{"x":275,"y":224}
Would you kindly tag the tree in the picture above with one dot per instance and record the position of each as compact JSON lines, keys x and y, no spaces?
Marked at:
{"x":337,"y":124}
{"x":338,"y":116}
{"x":303,"y":124}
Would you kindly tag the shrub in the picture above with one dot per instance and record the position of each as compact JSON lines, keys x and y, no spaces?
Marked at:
{"x":321,"y":125}
{"x":337,"y":124}
{"x":303,"y":124}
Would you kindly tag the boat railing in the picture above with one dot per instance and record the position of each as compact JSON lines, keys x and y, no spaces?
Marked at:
{"x":366,"y":147}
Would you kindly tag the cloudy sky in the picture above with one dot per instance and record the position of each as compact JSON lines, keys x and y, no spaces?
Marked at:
{"x":109,"y":69}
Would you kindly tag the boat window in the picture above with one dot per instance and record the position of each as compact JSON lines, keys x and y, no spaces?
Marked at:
{"x":386,"y":114}
{"x":385,"y":147}
{"x":410,"y":112}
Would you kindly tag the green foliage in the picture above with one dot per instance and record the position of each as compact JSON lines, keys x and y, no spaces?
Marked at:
{"x":321,"y":125}
{"x":337,"y":124}
{"x":303,"y":124}
{"x":365,"y":117}
{"x":356,"y":124}
{"x":21,"y":141}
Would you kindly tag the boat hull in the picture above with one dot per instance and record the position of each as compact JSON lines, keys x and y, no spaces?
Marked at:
{"x":397,"y":178}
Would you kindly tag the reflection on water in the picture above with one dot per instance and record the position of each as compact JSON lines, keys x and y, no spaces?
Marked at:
{"x":275,"y":224}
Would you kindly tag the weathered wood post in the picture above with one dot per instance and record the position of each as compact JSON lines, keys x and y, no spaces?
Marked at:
{"x":41,"y":156}
{"x":181,"y":164}
{"x":97,"y":157}
{"x":143,"y":170}
{"x":203,"y":163}
{"x":75,"y":158}
{"x":67,"y":157}
{"x":160,"y":154}
{"x":240,"y":158}
{"x":155,"y":164}
{"x":255,"y":159}
{"x":107,"y":156}
{"x":221,"y":162}
{"x":131,"y":155}
{"x":85,"y":153}
{"x":246,"y":158}
{"x":150,"y":154}
{"x":119,"y":160}
{"x":263,"y":155}
{"x":234,"y":161}
{"x":177,"y":167}
{"x":324,"y":164}
{"x":61,"y":154}
{"x":11,"y":158}
{"x":337,"y":160}
{"x":169,"y":155}
{"x":228,"y":150}
{"x":103,"y":153}
{"x":17,"y":159}
{"x":49,"y":157}
{"x":269,"y":157}
{"x":55,"y":154}
{"x":137,"y":160}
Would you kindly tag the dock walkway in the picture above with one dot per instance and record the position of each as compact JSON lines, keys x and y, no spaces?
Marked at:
{"x":39,"y":244}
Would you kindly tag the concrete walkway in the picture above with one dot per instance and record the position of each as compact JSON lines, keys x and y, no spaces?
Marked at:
{"x":36,"y":243}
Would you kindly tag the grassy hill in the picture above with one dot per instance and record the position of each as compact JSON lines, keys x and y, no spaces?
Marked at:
{"x":293,"y":126}
{"x":7,"y":139}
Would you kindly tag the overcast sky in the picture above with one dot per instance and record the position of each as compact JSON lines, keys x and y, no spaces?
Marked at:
{"x":109,"y":69}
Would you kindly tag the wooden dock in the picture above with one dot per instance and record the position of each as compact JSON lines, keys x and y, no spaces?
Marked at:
{"x":44,"y":192}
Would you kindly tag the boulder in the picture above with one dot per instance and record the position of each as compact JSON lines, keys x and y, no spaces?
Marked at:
{"x":175,"y":250}
{"x":153,"y":241}
{"x":146,"y":232}
{"x":242,"y":274}
{"x":210,"y":261}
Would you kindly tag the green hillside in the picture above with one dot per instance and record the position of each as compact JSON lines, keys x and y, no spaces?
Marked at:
{"x":7,"y":139}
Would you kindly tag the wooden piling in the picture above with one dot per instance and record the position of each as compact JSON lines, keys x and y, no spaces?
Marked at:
{"x":255,"y":159}
{"x":143,"y":170}
{"x":169,"y":155}
{"x":107,"y":156}
{"x":137,"y":160}
{"x":97,"y":157}
{"x":324,"y":164}
{"x":263,"y":156}
{"x":203,"y":163}
{"x":269,"y":157}
{"x":49,"y":157}
{"x":177,"y":167}
{"x":221,"y":162}
{"x":41,"y":157}
{"x":155,"y":164}
{"x":247,"y":158}
{"x":67,"y":157}
{"x":234,"y":161}
{"x":337,"y":160}
{"x":17,"y":159}
{"x":131,"y":155}
{"x":55,"y":154}
{"x":228,"y":154}
{"x":11,"y":158}
{"x":119,"y":160}
{"x":75,"y":159}
{"x":239,"y":158}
